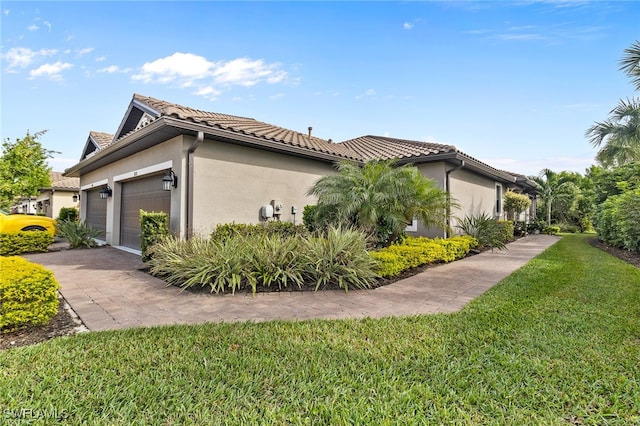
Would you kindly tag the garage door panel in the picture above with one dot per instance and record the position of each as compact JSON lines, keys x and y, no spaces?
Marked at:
{"x":141,"y":194}
{"x":96,"y":214}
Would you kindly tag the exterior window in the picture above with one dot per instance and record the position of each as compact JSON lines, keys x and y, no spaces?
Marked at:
{"x":498,"y":199}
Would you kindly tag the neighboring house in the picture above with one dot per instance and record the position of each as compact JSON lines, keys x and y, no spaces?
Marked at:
{"x":63,"y":192}
{"x":205,"y":168}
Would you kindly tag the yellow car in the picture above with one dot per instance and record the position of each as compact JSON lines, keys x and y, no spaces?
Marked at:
{"x":12,"y":223}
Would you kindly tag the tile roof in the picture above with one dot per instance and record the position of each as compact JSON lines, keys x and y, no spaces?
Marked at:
{"x":102,"y":139}
{"x":384,"y":148}
{"x":247,"y":126}
{"x":61,"y":182}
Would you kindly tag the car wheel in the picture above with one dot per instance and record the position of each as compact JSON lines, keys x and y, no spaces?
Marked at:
{"x":33,"y":228}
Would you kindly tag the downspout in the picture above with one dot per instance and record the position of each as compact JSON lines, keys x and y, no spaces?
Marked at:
{"x":189,"y":181}
{"x":447,"y":188}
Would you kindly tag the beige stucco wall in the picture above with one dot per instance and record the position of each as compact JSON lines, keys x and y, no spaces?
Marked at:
{"x":143,"y":163}
{"x":232,"y":182}
{"x":56,"y":199}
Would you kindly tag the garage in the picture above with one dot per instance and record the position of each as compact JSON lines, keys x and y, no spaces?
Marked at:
{"x":96,"y":214}
{"x":146,"y":194}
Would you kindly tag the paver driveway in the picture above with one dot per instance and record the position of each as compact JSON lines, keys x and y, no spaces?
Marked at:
{"x":108,"y":290}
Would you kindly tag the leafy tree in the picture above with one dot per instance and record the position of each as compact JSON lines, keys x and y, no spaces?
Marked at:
{"x":380,"y":199}
{"x":23,"y":168}
{"x":515,"y":203}
{"x":554,"y":188}
{"x":619,"y":136}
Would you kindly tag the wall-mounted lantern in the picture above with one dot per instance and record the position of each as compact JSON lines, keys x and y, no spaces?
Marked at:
{"x":105,"y":192}
{"x":170,"y":180}
{"x":75,"y":198}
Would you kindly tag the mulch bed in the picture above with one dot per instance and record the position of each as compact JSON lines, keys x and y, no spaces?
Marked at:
{"x":65,"y":323}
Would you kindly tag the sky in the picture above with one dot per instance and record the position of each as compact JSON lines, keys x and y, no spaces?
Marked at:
{"x":514,"y":84}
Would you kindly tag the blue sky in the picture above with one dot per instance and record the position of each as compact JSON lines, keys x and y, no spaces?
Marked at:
{"x":514,"y":84}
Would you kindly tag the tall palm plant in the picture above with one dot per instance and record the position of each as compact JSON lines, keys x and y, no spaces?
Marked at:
{"x":553,"y":189}
{"x":618,"y":136}
{"x":380,"y":196}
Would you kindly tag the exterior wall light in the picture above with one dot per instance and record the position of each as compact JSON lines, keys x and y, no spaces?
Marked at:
{"x":170,"y":180}
{"x":105,"y":192}
{"x":75,"y":198}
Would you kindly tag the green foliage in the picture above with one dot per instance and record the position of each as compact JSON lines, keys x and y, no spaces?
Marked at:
{"x":25,"y":242}
{"x":78,"y":234}
{"x":559,"y":194}
{"x":230,"y":230}
{"x":68,"y":214}
{"x":552,"y":230}
{"x":515,"y":203}
{"x":378,"y":198}
{"x":154,"y":227}
{"x":414,"y":252}
{"x":619,"y":220}
{"x":28,"y":293}
{"x":488,"y":231}
{"x":238,"y":260}
{"x":23,"y":168}
{"x":507,"y":230}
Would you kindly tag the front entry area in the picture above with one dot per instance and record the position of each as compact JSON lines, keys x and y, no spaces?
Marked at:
{"x":140,"y":194}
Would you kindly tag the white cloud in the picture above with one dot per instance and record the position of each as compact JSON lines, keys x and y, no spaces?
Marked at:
{"x":112,"y":69}
{"x":276,"y":96}
{"x":48,"y":24}
{"x":52,"y":71}
{"x":101,"y":58}
{"x":33,"y":27}
{"x":85,"y":50}
{"x":6,"y":12}
{"x":22,"y":57}
{"x":190,"y":70}
{"x":370,"y":92}
{"x":407,"y":25}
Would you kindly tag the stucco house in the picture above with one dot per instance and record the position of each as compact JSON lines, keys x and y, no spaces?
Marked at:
{"x":205,"y":168}
{"x":63,"y":192}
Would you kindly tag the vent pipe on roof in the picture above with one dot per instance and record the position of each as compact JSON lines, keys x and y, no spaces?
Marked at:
{"x":310,"y":129}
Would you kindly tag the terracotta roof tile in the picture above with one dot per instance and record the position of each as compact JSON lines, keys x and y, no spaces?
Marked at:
{"x":248,"y":126}
{"x":384,"y":148}
{"x":103,"y":139}
{"x":61,"y":182}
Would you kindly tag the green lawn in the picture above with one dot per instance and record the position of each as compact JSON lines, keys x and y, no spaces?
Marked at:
{"x":558,"y":342}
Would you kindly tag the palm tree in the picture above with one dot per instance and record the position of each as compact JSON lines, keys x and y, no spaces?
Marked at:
{"x":630,"y":63}
{"x":619,"y":136}
{"x":380,"y":199}
{"x":552,"y":189}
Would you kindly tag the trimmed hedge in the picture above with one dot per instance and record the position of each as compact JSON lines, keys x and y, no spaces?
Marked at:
{"x":283,"y":229}
{"x":154,"y":227}
{"x":25,"y":242}
{"x":414,"y":252}
{"x":28,"y":293}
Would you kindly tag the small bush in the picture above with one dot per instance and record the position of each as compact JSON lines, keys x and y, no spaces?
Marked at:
{"x":414,"y":252}
{"x":229,"y":230}
{"x":28,"y":293}
{"x":552,"y":230}
{"x":154,"y":226}
{"x":25,"y":242}
{"x":68,"y":214}
{"x":78,"y":234}
{"x":507,"y":230}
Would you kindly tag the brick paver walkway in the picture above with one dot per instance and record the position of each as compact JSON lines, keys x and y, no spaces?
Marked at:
{"x":107,"y":289}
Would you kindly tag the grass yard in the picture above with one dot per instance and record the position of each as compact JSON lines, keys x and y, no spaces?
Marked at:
{"x":557,"y":343}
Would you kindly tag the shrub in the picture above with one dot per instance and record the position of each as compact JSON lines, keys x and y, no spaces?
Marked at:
{"x":619,"y":220}
{"x":68,"y":213}
{"x":78,"y":234}
{"x":507,"y":230}
{"x":28,"y":293}
{"x":229,"y":230}
{"x":25,"y":242}
{"x":487,"y":230}
{"x":154,"y":226}
{"x":552,"y":230}
{"x":257,"y":259}
{"x":414,"y":252}
{"x":515,"y":203}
